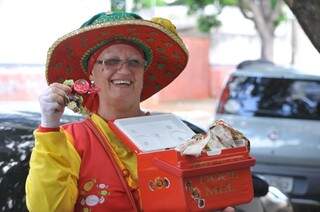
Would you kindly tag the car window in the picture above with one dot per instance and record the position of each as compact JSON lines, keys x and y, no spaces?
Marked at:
{"x":272,"y":97}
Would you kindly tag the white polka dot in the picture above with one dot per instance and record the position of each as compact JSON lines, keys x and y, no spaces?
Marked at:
{"x":92,"y":200}
{"x":102,"y":186}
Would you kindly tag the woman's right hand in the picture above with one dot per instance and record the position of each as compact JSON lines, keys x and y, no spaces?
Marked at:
{"x":52,"y":103}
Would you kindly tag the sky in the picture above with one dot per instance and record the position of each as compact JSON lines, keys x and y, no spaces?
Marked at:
{"x":29,"y":27}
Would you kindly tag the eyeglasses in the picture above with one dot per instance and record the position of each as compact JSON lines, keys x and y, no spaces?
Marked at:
{"x":116,"y":64}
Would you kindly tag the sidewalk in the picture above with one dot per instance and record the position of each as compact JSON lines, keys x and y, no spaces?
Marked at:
{"x":199,"y":112}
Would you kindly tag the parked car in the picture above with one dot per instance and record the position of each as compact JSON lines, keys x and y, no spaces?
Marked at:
{"x":16,"y":142}
{"x":278,"y":109}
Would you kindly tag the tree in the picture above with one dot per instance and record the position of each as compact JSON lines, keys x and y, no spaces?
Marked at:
{"x":266,"y":15}
{"x":308,"y":14}
{"x":118,"y":5}
{"x":135,"y":5}
{"x":140,"y":4}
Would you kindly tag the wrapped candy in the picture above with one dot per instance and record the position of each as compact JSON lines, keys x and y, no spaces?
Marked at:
{"x":219,"y":136}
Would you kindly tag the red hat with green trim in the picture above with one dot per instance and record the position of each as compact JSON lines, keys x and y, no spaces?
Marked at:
{"x":164,"y":51}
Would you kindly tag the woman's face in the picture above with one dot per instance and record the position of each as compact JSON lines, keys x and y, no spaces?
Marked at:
{"x":118,"y":73}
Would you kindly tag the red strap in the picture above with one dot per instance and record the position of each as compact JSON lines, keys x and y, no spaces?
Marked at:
{"x":102,"y":139}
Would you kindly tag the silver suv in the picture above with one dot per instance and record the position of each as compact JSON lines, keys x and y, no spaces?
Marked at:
{"x":278,"y":109}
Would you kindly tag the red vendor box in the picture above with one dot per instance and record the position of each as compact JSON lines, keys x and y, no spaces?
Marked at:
{"x":169,"y":181}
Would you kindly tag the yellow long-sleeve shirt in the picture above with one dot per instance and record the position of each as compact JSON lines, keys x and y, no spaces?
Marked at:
{"x":52,"y":183}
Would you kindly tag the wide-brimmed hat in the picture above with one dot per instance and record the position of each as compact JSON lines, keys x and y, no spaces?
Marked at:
{"x":164,"y":51}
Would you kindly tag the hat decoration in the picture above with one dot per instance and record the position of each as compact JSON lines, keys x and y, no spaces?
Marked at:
{"x":164,"y":51}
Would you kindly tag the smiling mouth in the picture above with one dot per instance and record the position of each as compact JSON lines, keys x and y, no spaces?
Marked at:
{"x":121,"y":82}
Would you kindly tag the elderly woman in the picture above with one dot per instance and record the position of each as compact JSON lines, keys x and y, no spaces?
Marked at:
{"x":114,"y":61}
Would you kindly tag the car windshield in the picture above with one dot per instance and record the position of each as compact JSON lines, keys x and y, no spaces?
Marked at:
{"x":272,"y":97}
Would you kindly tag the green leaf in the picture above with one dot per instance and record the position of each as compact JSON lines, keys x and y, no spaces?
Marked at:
{"x":274,"y":3}
{"x":148,"y":3}
{"x":206,"y":22}
{"x":281,"y":18}
{"x":228,"y":2}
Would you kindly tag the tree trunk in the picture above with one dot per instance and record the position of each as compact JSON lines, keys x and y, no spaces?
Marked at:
{"x":263,"y":15}
{"x":117,"y":5}
{"x":294,"y":41}
{"x":267,"y":47}
{"x":308,"y":14}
